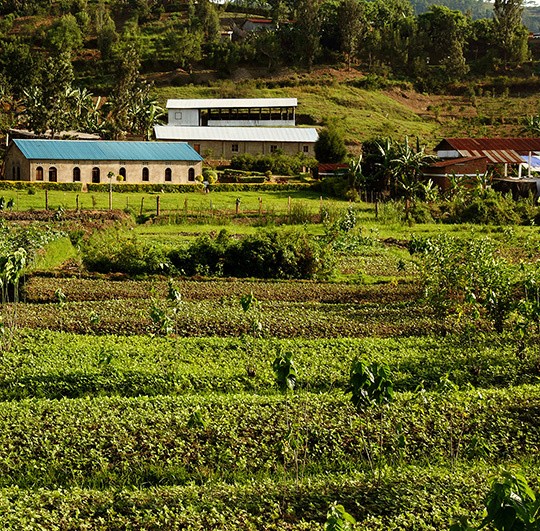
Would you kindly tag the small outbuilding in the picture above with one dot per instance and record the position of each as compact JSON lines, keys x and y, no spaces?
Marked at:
{"x":463,"y":168}
{"x":88,"y":161}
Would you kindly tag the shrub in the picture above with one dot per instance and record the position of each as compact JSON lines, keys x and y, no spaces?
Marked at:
{"x":276,"y":164}
{"x":115,"y":252}
{"x":267,"y":254}
{"x":330,"y":146}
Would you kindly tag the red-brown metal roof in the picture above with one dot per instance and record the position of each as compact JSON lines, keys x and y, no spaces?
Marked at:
{"x":455,"y":162}
{"x":519,"y":145}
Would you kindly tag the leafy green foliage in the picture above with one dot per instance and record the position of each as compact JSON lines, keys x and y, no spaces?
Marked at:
{"x":338,"y":519}
{"x":277,"y":164}
{"x":117,"y":252}
{"x":267,"y":254}
{"x":285,"y":372}
{"x":468,"y":272}
{"x":369,"y":385}
{"x":511,"y":505}
{"x":330,"y":146}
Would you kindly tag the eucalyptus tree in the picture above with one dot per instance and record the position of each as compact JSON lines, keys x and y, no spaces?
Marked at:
{"x":510,"y":35}
{"x":306,"y":30}
{"x":391,"y":33}
{"x":352,"y":25}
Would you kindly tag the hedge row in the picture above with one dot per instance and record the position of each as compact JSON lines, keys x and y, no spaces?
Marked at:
{"x":55,"y":365}
{"x":409,"y":498}
{"x":188,"y":188}
{"x":154,"y":188}
{"x":174,"y":440}
{"x":40,"y":185}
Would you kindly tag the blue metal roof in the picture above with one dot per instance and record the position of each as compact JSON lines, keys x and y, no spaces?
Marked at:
{"x":106,"y":150}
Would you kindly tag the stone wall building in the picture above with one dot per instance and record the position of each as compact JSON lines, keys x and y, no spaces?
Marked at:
{"x":88,"y":161}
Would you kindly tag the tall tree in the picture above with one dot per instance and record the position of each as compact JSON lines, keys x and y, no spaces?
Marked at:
{"x":443,"y":33}
{"x":307,"y":31}
{"x":185,"y":46}
{"x":392,"y":31}
{"x":330,"y":146}
{"x":352,"y":24}
{"x":509,"y":32}
{"x":47,"y":102}
{"x":207,"y":20}
{"x":120,"y":100}
{"x":107,"y":37}
{"x":19,"y":65}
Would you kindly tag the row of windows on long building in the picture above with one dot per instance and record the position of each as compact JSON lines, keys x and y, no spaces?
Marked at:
{"x":96,"y":174}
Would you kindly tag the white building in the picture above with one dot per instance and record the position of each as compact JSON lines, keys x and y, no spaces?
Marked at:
{"x":222,"y":128}
{"x":257,"y":112}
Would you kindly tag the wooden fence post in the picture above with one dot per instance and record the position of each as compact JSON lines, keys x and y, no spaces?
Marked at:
{"x":158,"y":206}
{"x":142,"y":205}
{"x":46,"y":199}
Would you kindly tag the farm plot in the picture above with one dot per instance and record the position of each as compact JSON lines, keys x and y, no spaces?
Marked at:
{"x":228,"y":405}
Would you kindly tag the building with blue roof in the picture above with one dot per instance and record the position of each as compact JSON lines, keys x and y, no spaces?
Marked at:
{"x":88,"y":161}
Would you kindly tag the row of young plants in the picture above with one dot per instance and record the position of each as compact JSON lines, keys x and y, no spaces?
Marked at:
{"x":113,"y":441}
{"x":225,"y":318}
{"x":40,"y":289}
{"x":54,"y":365}
{"x":402,"y":499}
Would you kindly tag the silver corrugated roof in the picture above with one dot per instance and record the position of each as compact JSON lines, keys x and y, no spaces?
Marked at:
{"x":237,"y":134}
{"x":220,"y":103}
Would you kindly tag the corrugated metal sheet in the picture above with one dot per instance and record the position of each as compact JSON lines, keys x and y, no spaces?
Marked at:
{"x":105,"y":150}
{"x":504,"y":156}
{"x":237,"y":134}
{"x":518,"y":145}
{"x":221,"y":103}
{"x":455,"y":162}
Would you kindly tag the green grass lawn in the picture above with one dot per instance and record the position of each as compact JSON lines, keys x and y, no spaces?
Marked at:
{"x":271,"y":202}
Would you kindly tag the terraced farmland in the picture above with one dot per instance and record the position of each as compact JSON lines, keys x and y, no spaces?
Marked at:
{"x":123,"y":409}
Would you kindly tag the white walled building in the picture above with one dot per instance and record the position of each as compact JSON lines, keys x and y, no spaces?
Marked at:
{"x":252,"y":112}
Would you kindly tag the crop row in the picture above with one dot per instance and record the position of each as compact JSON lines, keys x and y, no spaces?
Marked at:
{"x":409,"y":498}
{"x":54,"y":365}
{"x":141,"y":441}
{"x":43,"y":289}
{"x":226,"y":318}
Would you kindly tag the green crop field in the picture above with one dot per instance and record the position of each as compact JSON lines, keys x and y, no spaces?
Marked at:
{"x":138,"y":399}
